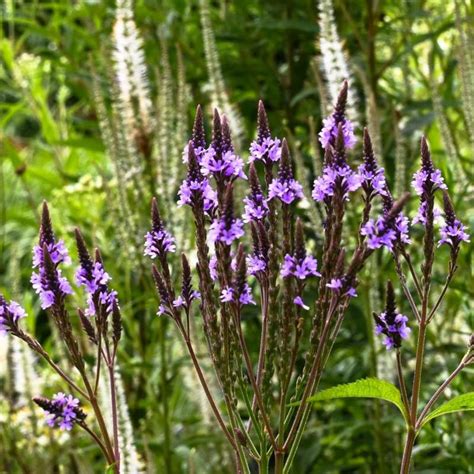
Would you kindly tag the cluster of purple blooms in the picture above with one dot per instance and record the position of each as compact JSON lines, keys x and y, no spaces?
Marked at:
{"x":50,"y":287}
{"x":230,"y":294}
{"x":425,"y":182}
{"x":256,"y":207}
{"x":158,"y":242}
{"x":267,"y":149}
{"x":391,"y":323}
{"x":62,"y":411}
{"x":333,"y":174}
{"x":226,"y":230}
{"x":256,"y":264}
{"x":228,"y":164}
{"x":299,"y":266}
{"x":395,"y":329}
{"x":10,"y":314}
{"x":453,"y":232}
{"x":328,"y":134}
{"x":95,"y":280}
{"x":285,"y":187}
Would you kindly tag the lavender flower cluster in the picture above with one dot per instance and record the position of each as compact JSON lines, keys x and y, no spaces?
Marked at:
{"x":62,"y":411}
{"x":391,"y":323}
{"x":10,"y":314}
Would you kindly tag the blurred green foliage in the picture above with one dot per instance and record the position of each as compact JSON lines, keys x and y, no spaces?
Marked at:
{"x":405,"y":59}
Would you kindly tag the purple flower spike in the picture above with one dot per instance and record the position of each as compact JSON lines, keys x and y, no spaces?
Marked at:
{"x":372,"y":177}
{"x":256,"y":207}
{"x":63,"y":411}
{"x":10,"y":314}
{"x":93,"y":277}
{"x":328,"y":135}
{"x":391,"y":323}
{"x":195,"y":190}
{"x":425,"y":182}
{"x":226,"y":228}
{"x":284,"y":186}
{"x":453,"y":232}
{"x":158,"y":242}
{"x":264,"y":148}
{"x":48,"y":281}
{"x":337,"y":174}
{"x":378,"y":234}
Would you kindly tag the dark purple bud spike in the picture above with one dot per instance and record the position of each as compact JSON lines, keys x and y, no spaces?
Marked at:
{"x":116,"y":322}
{"x":390,"y":304}
{"x":83,"y":253}
{"x":98,"y":256}
{"x":262,"y":123}
{"x":49,"y":267}
{"x":226,"y":136}
{"x":426,"y":161}
{"x":187,"y":288}
{"x":254,"y":181}
{"x":156,"y":221}
{"x":285,"y":172}
{"x":369,"y":156}
{"x":264,"y":243}
{"x":255,"y":237}
{"x":340,"y":146}
{"x":229,"y":205}
{"x":160,"y":285}
{"x":448,"y":208}
{"x":46,"y":230}
{"x":328,"y":157}
{"x":217,"y":140}
{"x":87,"y":326}
{"x":194,"y":171}
{"x":300,"y":249}
{"x":340,"y":107}
{"x":199,"y":134}
{"x":241,"y":270}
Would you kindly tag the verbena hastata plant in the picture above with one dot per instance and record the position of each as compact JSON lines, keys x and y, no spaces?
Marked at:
{"x":264,"y":252}
{"x":101,"y":322}
{"x":424,"y":305}
{"x":393,"y":326}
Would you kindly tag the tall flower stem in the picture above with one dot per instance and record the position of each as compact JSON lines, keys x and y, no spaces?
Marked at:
{"x":113,"y":402}
{"x":401,"y":380}
{"x":98,"y":442}
{"x":204,"y":385}
{"x":100,"y":420}
{"x":164,"y":388}
{"x":411,"y":435}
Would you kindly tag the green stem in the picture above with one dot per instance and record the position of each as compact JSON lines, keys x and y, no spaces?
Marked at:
{"x":164,"y":391}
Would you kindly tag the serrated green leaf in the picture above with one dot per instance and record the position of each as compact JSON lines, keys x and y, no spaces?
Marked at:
{"x":364,"y":388}
{"x":464,"y":402}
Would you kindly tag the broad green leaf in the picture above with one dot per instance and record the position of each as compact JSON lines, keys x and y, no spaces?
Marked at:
{"x":364,"y":388}
{"x":464,"y":402}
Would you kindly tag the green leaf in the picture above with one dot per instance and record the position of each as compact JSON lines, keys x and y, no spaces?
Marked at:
{"x":464,"y":402}
{"x":364,"y":388}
